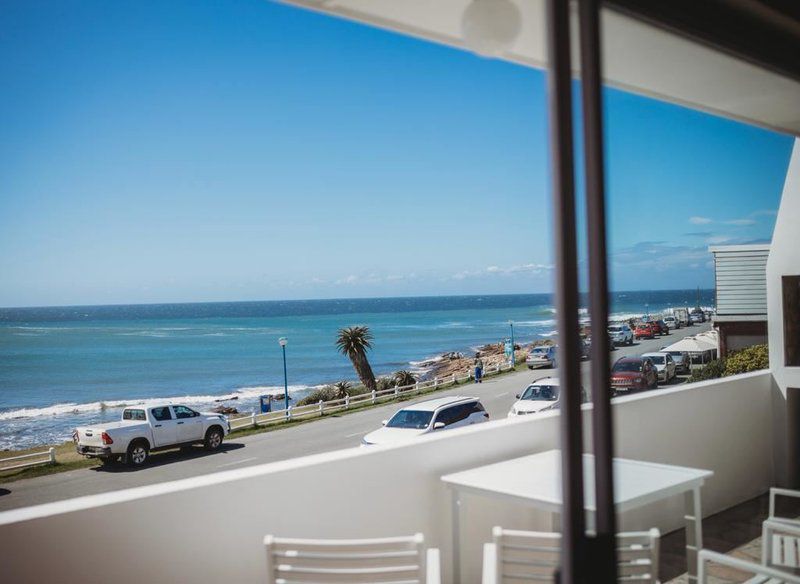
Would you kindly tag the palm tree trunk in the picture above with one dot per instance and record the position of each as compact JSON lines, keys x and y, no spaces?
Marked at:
{"x":364,"y":371}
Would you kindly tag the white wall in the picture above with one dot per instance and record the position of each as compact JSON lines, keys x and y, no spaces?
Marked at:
{"x":784,"y":259}
{"x":210,"y":529}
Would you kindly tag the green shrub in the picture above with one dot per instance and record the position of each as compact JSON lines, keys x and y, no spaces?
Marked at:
{"x":403,"y":378}
{"x":326,"y":393}
{"x":749,"y":359}
{"x":713,"y":370}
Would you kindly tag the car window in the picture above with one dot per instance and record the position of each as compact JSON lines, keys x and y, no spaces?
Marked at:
{"x":657,"y":359}
{"x":183,"y":412}
{"x":133,"y":415}
{"x":454,"y":414}
{"x":161,"y":414}
{"x":414,"y":419}
{"x":477,"y":408}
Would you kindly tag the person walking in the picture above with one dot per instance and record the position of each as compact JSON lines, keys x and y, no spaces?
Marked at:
{"x":478,"y":368}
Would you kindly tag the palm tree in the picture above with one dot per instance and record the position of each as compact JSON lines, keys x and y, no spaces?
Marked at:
{"x":341,"y":389}
{"x":403,"y":378}
{"x":354,"y":341}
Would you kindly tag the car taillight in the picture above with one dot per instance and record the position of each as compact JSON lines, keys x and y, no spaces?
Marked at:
{"x":106,"y":438}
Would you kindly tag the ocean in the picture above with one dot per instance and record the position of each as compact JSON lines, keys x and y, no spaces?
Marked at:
{"x":61,"y":367}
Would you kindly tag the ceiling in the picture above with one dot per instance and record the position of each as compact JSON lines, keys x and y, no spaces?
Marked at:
{"x":637,"y":56}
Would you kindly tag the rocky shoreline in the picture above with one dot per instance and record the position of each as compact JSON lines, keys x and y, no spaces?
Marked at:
{"x":492,"y":355}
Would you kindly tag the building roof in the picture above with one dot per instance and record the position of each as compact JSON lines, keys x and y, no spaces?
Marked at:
{"x":733,"y":248}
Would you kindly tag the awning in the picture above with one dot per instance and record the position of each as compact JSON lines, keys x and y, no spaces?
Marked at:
{"x":637,"y":57}
{"x":692,"y":345}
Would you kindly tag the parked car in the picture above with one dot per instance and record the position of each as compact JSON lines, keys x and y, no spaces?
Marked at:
{"x":697,"y":316}
{"x":143,"y":430}
{"x":665,"y":365}
{"x":672,"y":322}
{"x":663,"y":329}
{"x":621,"y":333}
{"x":682,"y":361}
{"x":542,"y":356}
{"x":541,"y":395}
{"x":633,"y":373}
{"x":644,"y":330}
{"x":443,"y":413}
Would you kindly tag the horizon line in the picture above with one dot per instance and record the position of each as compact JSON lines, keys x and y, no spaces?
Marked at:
{"x":197,"y":302}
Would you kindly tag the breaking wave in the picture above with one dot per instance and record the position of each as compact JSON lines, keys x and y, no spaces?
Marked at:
{"x":67,"y":409}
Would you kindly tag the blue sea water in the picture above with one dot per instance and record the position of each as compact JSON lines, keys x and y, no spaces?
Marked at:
{"x":62,"y":367}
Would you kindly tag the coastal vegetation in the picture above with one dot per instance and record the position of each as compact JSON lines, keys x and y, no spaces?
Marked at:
{"x":743,"y":361}
{"x":354,"y":342}
{"x":403,"y":378}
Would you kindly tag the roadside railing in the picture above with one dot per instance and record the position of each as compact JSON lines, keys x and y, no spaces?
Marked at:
{"x":34,"y":459}
{"x":370,"y":398}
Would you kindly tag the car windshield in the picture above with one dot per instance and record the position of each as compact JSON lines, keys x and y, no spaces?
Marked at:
{"x":614,"y":329}
{"x":677,"y":354}
{"x":657,"y":359}
{"x":670,"y":318}
{"x":541,"y":393}
{"x":415,"y":419}
{"x":628,"y":366}
{"x":541,"y":350}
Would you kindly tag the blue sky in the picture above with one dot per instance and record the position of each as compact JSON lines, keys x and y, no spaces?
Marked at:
{"x":190,"y":151}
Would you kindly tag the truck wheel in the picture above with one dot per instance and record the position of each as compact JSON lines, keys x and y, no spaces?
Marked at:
{"x":138,"y":453}
{"x":213,"y":438}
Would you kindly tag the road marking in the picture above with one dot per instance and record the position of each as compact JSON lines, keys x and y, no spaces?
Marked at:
{"x":502,"y":394}
{"x":237,"y":462}
{"x":356,"y":434}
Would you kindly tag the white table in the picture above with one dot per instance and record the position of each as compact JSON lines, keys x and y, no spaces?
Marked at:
{"x":535,"y":481}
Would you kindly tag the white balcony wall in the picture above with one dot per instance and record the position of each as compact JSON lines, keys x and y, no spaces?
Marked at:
{"x":210,"y":529}
{"x":784,"y":260}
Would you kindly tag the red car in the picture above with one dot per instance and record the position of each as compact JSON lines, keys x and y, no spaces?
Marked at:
{"x":663,"y":329}
{"x":644,"y":330}
{"x":633,"y":373}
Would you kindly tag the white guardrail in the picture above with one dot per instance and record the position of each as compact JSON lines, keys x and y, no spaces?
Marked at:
{"x":371,"y":398}
{"x":45,"y":457}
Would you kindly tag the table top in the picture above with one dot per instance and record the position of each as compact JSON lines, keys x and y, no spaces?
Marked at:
{"x":536,"y":481}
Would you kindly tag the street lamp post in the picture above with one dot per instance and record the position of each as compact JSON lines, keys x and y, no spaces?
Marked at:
{"x":513,"y":352}
{"x":282,"y":342}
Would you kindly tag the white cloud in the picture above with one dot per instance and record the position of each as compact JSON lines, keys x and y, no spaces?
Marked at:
{"x":700,"y":220}
{"x":741,"y":222}
{"x":717,"y":239}
{"x":351,"y":279}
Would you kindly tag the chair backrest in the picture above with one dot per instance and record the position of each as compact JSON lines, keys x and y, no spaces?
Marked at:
{"x":386,"y":560}
{"x":533,"y":556}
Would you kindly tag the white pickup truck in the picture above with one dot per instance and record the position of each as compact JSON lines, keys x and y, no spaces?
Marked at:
{"x":144,"y":429}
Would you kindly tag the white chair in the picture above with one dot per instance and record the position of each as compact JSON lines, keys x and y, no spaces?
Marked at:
{"x":530,"y":556}
{"x":761,"y":574}
{"x":395,"y":560}
{"x":780,"y":544}
{"x":774,"y":493}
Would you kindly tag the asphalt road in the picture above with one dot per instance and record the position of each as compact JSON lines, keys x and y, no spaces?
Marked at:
{"x":332,"y":433}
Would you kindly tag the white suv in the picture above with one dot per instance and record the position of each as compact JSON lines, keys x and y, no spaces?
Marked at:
{"x":443,"y":413}
{"x":665,"y":365}
{"x":621,"y":334}
{"x":541,"y":395}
